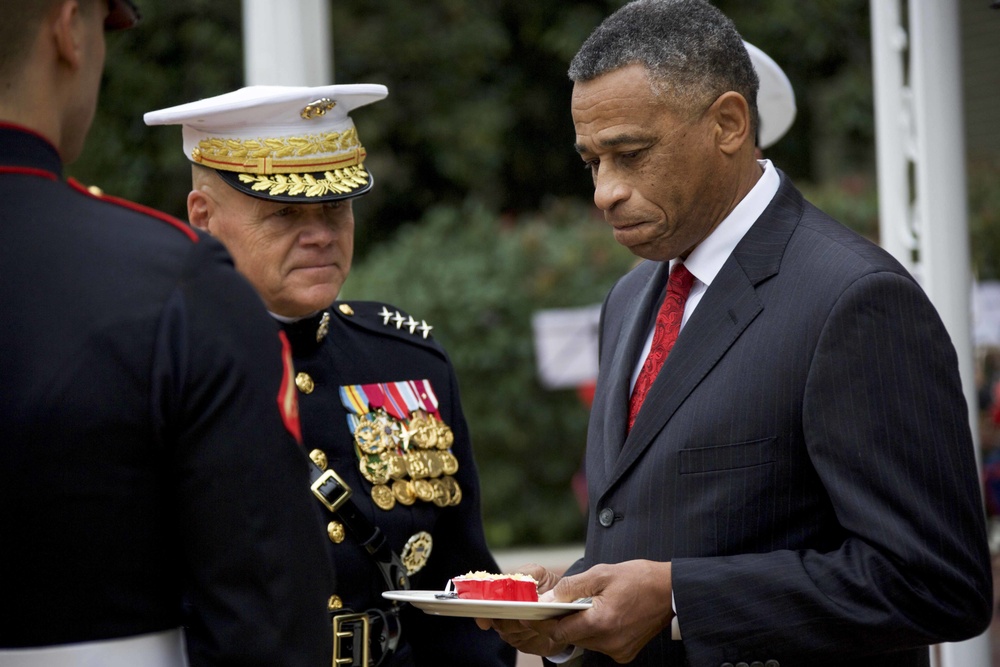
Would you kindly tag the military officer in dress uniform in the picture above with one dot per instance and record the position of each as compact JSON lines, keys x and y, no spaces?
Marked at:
{"x":154,"y":510}
{"x":275,"y":174}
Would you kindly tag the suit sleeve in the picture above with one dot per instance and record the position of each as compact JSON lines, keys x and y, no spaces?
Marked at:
{"x":254,"y":558}
{"x":886,"y":428}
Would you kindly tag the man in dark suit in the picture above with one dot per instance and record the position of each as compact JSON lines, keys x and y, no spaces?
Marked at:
{"x":155,"y":507}
{"x":798,"y":486}
{"x":275,"y":172}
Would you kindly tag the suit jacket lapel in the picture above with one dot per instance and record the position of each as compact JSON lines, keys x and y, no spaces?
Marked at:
{"x":636,"y":318}
{"x":726,"y":309}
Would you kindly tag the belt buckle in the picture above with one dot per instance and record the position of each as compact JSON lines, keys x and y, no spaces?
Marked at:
{"x":323,"y":480}
{"x":340,"y":634}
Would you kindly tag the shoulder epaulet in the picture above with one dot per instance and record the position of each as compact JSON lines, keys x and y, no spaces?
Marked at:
{"x":97,"y":193}
{"x":383,"y":318}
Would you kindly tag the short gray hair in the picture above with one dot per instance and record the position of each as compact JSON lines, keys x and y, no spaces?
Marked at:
{"x":691,"y":51}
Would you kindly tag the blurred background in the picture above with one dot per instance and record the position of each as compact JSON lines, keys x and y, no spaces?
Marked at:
{"x":482,"y":215}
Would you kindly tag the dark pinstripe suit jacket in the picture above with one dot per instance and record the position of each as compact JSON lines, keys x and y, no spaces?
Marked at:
{"x":804,"y":457}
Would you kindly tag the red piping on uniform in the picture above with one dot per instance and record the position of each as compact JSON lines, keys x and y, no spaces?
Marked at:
{"x":139,"y":208}
{"x":29,"y":171}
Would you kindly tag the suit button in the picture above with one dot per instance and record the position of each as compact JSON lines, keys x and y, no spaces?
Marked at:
{"x":726,"y":664}
{"x":606,"y":517}
{"x":772,"y":663}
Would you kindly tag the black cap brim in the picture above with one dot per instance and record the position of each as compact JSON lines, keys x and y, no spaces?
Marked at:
{"x":292,"y":188}
{"x":122,"y":15}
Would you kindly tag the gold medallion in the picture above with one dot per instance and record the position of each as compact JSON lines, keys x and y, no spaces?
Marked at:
{"x":383,"y":497}
{"x":424,"y":490}
{"x":454,"y":490}
{"x":442,"y":497}
{"x":375,"y":469}
{"x":397,"y":465}
{"x":417,"y":551}
{"x":445,"y":437}
{"x":403,"y":490}
{"x":426,"y":435}
{"x":368,"y":440}
{"x":376,"y":433}
{"x":416,"y":466}
{"x":433,"y":461}
{"x":449,"y":463}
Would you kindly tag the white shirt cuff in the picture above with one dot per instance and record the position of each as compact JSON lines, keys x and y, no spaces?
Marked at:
{"x":567,"y":654}
{"x":675,"y":625}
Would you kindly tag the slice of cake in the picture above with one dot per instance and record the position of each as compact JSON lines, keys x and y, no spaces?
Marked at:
{"x":486,"y":586}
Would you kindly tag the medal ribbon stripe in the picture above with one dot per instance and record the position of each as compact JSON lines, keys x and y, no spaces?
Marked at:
{"x":428,"y":395}
{"x":409,"y":396}
{"x":376,"y":399}
{"x":395,"y":404}
{"x":416,"y":394}
{"x":354,"y":399}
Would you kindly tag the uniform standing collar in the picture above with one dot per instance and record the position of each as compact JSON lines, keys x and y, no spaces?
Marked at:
{"x":23,"y":147}
{"x":306,"y":332}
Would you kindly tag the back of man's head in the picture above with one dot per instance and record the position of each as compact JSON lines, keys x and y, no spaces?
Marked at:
{"x":18,"y":30}
{"x":691,"y":51}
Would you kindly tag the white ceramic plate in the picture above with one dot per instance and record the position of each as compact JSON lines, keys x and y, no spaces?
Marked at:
{"x":527,"y":611}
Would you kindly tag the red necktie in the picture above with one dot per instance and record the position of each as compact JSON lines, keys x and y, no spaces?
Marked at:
{"x":668,"y":325}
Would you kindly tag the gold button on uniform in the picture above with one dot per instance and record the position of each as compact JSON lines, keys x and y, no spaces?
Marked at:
{"x":334,"y":603}
{"x":345,"y":309}
{"x":335,"y":531}
{"x":304,"y":383}
{"x":319,"y":458}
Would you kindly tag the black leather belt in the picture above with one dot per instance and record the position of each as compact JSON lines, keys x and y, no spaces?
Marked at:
{"x":335,"y":495}
{"x":361,"y":639}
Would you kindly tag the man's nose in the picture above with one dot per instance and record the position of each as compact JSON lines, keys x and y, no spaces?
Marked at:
{"x":609,"y":189}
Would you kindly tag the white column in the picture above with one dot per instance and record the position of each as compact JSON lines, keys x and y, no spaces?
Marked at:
{"x":287,"y":43}
{"x":894,"y":131}
{"x":925,"y":130}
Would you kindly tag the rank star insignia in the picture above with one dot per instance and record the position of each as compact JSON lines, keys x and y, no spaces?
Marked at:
{"x":425,"y":328}
{"x":385,"y":315}
{"x":398,"y":319}
{"x":412,"y":324}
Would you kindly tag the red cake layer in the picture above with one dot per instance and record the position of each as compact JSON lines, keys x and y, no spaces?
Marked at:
{"x":507,"y":587}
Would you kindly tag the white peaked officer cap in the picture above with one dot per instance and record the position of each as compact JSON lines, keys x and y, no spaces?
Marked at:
{"x":775,"y":99}
{"x":289,"y":144}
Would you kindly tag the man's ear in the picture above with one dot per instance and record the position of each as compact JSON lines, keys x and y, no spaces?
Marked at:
{"x":66,"y":27}
{"x":732,"y":117}
{"x":199,"y":207}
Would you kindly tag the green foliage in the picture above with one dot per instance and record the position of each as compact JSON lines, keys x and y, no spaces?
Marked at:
{"x":852,"y":200}
{"x":478,"y":279}
{"x":478,"y":96}
{"x":825,"y":50}
{"x":182,"y":50}
{"x":984,"y":218}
